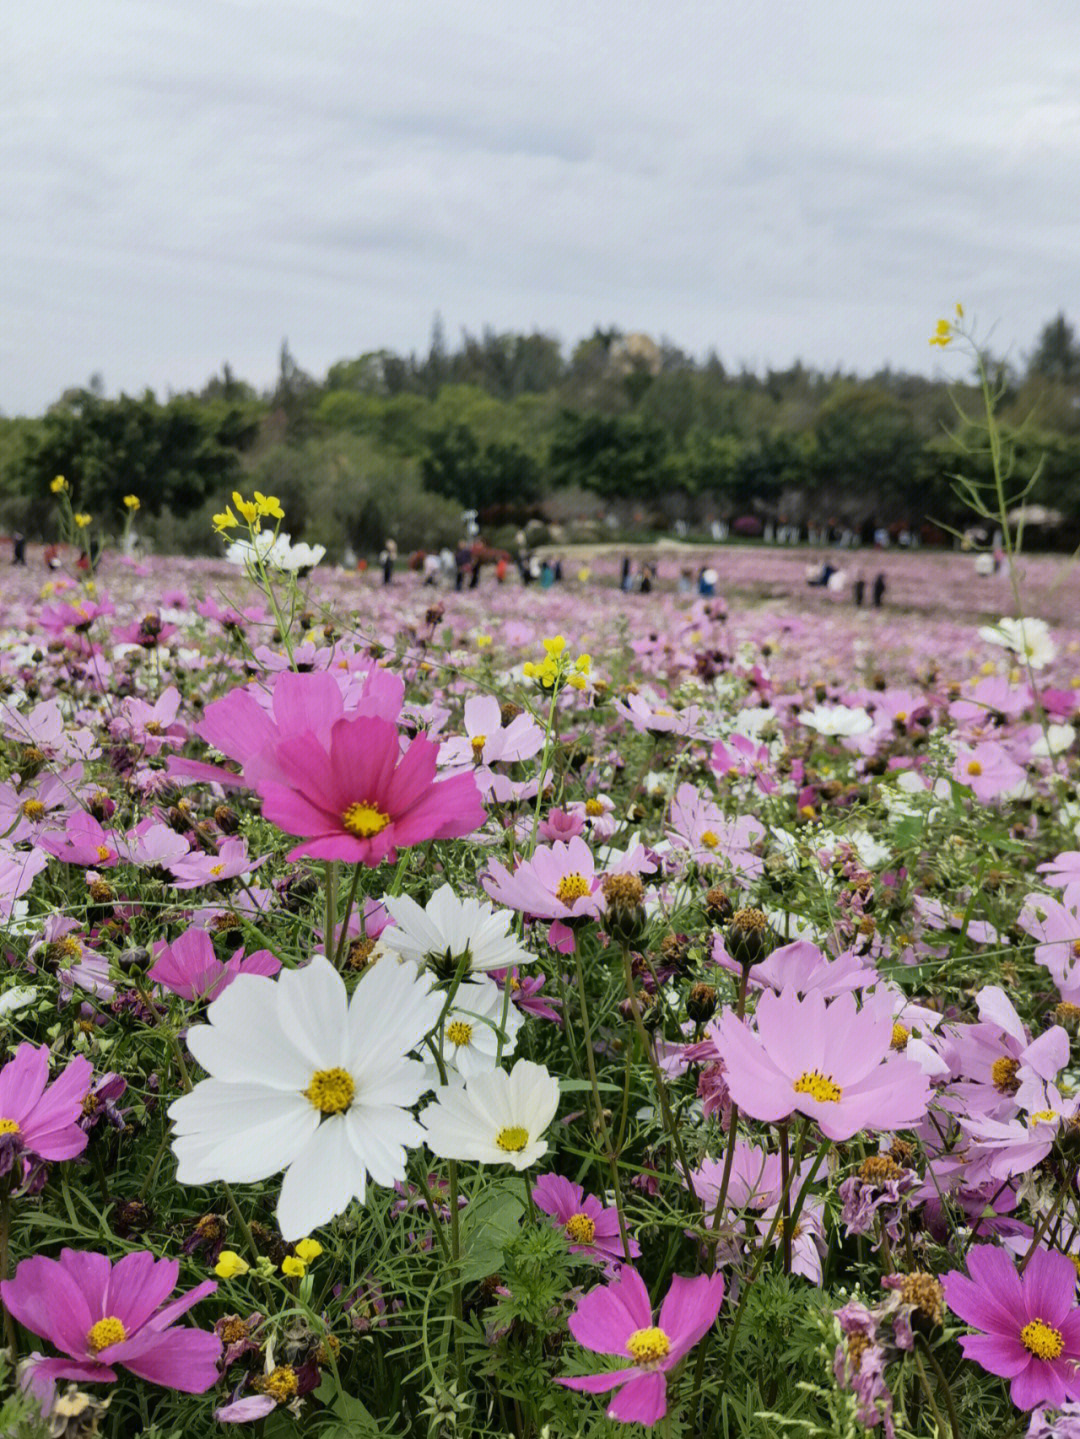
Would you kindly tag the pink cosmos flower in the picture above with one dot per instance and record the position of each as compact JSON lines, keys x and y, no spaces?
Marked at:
{"x":101,"y":1315}
{"x":999,"y":1149}
{"x":1030,"y":1323}
{"x":590,"y":1228}
{"x":488,"y":741}
{"x":195,"y":869}
{"x":83,"y":842}
{"x":248,"y":724}
{"x":18,"y":870}
{"x":560,"y":883}
{"x":151,"y":725}
{"x":25,"y":812}
{"x":561,"y":824}
{"x":189,"y":967}
{"x":617,"y":1319}
{"x":828,"y":1060}
{"x":526,"y":993}
{"x":987,"y":769}
{"x":151,"y":843}
{"x":661,"y":719}
{"x":359,"y":799}
{"x":747,"y":758}
{"x":1056,"y":929}
{"x":38,"y":1119}
{"x":700,"y":826}
{"x":801,"y":966}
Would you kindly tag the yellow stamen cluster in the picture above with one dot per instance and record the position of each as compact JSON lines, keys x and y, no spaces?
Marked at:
{"x":900,"y":1037}
{"x":9,"y":1126}
{"x":478,"y":743}
{"x":1003,"y":1072}
{"x":818,"y":1086}
{"x":458,"y":1032}
{"x":923,"y":1292}
{"x":571,"y":887}
{"x":1042,"y":1340}
{"x":879,"y":1169}
{"x":33,"y":808}
{"x":331,"y":1091}
{"x":364,"y":820}
{"x":593,"y":808}
{"x":105,"y":1333}
{"x":281,"y":1383}
{"x":710,"y":839}
{"x":646,"y":1346}
{"x":580,"y":1229}
{"x":512,"y":1139}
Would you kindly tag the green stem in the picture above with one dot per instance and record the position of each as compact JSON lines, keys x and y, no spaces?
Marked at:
{"x":946,"y":1391}
{"x":11,"y":1333}
{"x":590,"y":1060}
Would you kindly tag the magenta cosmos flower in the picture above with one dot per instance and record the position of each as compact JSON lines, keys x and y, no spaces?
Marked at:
{"x":590,"y":1228}
{"x":1030,"y":1323}
{"x":617,"y":1319}
{"x":360,"y":799}
{"x":830,"y":1061}
{"x":189,"y":967}
{"x":38,"y":1118}
{"x":101,"y":1315}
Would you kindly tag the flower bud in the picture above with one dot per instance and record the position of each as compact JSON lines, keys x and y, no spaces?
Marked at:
{"x":625,"y":916}
{"x":701,"y":1003}
{"x":748,"y":937}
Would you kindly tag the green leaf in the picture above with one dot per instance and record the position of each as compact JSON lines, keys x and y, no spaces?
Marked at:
{"x":487,"y":1226}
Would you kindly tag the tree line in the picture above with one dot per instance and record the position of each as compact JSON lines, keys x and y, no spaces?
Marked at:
{"x":511,"y":426}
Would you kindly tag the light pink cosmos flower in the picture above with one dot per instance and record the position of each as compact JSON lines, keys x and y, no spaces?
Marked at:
{"x":753,"y":1181}
{"x":559,"y":883}
{"x":659,"y":719}
{"x":488,"y":741}
{"x":25,"y":812}
{"x":43,"y":728}
{"x":998,"y":1150}
{"x":18,"y":870}
{"x":360,"y":799}
{"x":747,"y":758}
{"x":1030,"y":1324}
{"x":590,"y":1228}
{"x":38,"y":1119}
{"x":987,"y":769}
{"x":1056,"y":929}
{"x":101,"y":1315}
{"x":830,"y":1061}
{"x":801,"y":966}
{"x":151,"y":725}
{"x":189,"y":968}
{"x":232,"y":859}
{"x":617,"y":1319}
{"x":700,"y":826}
{"x":151,"y":843}
{"x":997,"y":1055}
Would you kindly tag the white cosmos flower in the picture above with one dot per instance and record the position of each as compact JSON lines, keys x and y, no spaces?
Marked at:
{"x":836,"y":721}
{"x":1057,"y":739}
{"x":471,"y":1029}
{"x":497,"y":1118}
{"x":12,"y":1000}
{"x":304,"y":1079}
{"x":276,"y":551}
{"x":1029,"y":638}
{"x":448,"y":928}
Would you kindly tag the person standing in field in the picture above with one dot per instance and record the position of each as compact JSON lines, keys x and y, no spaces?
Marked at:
{"x":387,"y":559}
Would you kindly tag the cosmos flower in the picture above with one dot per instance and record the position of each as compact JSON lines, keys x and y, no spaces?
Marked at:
{"x":304,"y":1079}
{"x":189,"y":968}
{"x":560,"y":883}
{"x":497,"y":1118}
{"x":828,"y":1060}
{"x":39,"y":1120}
{"x":1029,"y":1323}
{"x":360,"y":799}
{"x":589,"y":1227}
{"x":617,"y":1319}
{"x":1028,"y":638}
{"x":448,"y":929}
{"x":101,"y":1315}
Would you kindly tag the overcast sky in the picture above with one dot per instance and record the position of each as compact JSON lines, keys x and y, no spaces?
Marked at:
{"x":186,"y":182}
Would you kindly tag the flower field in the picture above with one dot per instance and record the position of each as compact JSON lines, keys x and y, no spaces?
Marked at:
{"x":506,"y":1013}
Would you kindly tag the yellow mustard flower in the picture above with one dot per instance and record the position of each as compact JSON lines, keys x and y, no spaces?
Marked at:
{"x":249,"y":510}
{"x":82,"y":520}
{"x":226,"y":520}
{"x":58,"y":485}
{"x":308,"y":1249}
{"x":292,"y":1266}
{"x":269,"y":505}
{"x":131,"y":502}
{"x":555,"y":646}
{"x":942,"y":334}
{"x":230,"y":1265}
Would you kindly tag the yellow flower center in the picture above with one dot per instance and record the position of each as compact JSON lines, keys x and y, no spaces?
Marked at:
{"x":710,"y":839}
{"x":818,"y":1086}
{"x":975,"y":768}
{"x":9,"y":1126}
{"x":1041,"y":1116}
{"x":512,"y":1139}
{"x":331,"y":1091}
{"x":153,"y":727}
{"x":364,"y":820}
{"x":33,"y":808}
{"x":102,"y":853}
{"x":900,"y":716}
{"x":458,"y":1032}
{"x":580,"y":1229}
{"x":1003,"y":1073}
{"x":281,"y":1383}
{"x":217,"y":869}
{"x":900,"y":1037}
{"x":105,"y":1333}
{"x":646,"y":1346}
{"x":1042,"y":1340}
{"x":478,"y":743}
{"x":571,"y":887}
{"x":1076,"y":948}
{"x":593,"y":807}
